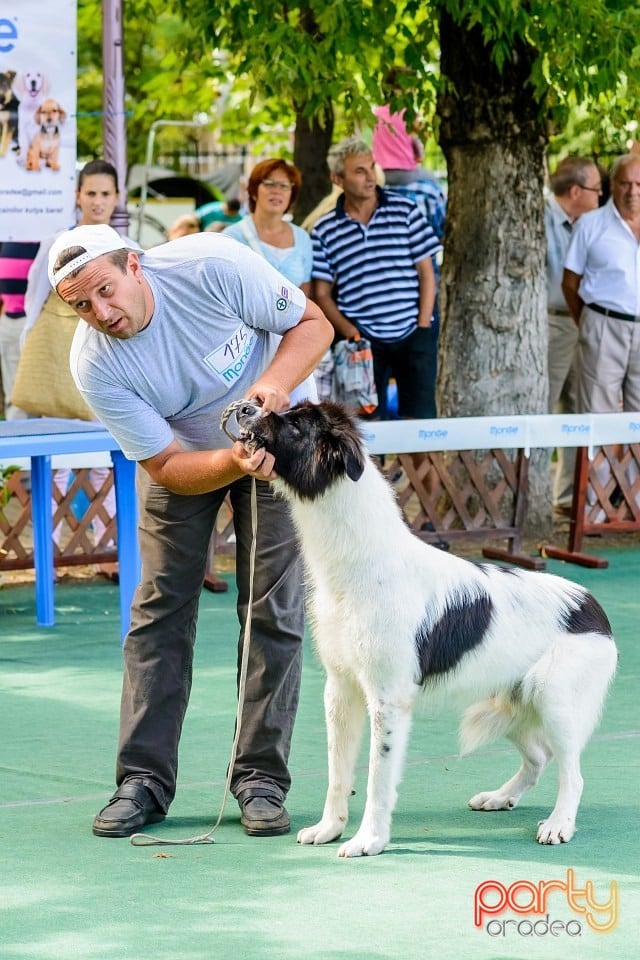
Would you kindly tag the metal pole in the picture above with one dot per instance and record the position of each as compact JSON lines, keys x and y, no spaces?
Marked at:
{"x":114,"y":130}
{"x":144,"y":190}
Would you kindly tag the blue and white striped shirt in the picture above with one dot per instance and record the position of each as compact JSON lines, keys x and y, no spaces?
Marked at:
{"x":374,"y":264}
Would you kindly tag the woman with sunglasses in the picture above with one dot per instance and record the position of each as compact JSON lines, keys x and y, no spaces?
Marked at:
{"x":272,"y":192}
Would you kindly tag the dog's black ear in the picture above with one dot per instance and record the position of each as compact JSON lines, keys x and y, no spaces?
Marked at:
{"x":354,"y":462}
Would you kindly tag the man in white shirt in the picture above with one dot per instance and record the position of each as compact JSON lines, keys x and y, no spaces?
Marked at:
{"x":601,"y":284}
{"x":576,"y":187}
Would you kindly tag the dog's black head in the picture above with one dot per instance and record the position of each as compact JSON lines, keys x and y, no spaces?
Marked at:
{"x":314,"y":445}
{"x":6,"y":82}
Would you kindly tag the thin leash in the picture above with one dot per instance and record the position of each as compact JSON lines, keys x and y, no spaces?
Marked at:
{"x":145,"y":839}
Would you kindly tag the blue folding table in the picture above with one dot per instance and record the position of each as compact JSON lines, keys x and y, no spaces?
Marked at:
{"x":39,"y":439}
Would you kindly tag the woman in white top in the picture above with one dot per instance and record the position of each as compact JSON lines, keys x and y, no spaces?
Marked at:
{"x":96,"y":199}
{"x":272,"y":192}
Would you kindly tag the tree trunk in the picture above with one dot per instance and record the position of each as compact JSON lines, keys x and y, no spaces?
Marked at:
{"x":310,"y":147}
{"x":493,"y":342}
{"x":312,"y":138}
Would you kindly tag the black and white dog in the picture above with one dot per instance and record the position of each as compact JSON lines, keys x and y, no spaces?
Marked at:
{"x":531,"y":653}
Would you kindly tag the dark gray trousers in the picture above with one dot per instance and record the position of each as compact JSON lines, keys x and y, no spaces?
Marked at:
{"x":158,"y":652}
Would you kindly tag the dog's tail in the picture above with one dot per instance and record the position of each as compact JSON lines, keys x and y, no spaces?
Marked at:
{"x":485,"y":721}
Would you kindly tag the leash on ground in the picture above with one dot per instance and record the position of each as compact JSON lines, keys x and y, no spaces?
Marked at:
{"x":146,"y":839}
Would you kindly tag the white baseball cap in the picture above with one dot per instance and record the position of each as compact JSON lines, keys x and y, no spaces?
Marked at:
{"x":95,"y":241}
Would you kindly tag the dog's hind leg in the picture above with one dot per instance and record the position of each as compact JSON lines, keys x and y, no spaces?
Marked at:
{"x":535,"y":755}
{"x":390,"y":726}
{"x":568,"y":723}
{"x":560,"y":825}
{"x":505,"y":715}
{"x":569,"y":714}
{"x":344,"y":707}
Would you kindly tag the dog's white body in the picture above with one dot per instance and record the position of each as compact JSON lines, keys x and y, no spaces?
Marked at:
{"x":394,"y":618}
{"x":31,"y":88}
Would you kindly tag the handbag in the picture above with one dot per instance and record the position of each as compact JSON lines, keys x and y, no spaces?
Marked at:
{"x":43,"y":385}
{"x":354,"y":384}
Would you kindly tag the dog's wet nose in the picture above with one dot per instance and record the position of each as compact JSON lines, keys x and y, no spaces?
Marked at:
{"x":249,"y":410}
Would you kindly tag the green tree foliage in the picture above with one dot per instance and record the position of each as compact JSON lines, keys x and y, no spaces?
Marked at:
{"x":510,"y":75}
{"x":269,"y":61}
{"x":585,"y":57}
{"x":290,"y":76}
{"x":258,"y":70}
{"x":310,"y":53}
{"x":498,"y":78}
{"x":318,"y":60}
{"x":161,"y":81}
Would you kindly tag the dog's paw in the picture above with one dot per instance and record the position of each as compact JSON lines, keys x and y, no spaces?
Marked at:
{"x":493,"y":800}
{"x":363,"y":845}
{"x":555,"y":830}
{"x":323,"y":832}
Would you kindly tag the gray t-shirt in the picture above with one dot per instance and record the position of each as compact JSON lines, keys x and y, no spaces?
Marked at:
{"x":219,"y":312}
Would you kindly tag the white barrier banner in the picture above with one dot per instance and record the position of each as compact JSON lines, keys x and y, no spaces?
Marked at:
{"x":463,"y":433}
{"x":492,"y":433}
{"x":622,"y":427}
{"x":37,"y":118}
{"x":485,"y":433}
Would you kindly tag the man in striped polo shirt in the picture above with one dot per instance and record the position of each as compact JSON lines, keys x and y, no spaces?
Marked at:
{"x":373,"y":275}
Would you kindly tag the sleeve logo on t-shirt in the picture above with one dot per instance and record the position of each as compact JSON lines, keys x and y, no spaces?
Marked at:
{"x":283,"y":300}
{"x":228,"y":360}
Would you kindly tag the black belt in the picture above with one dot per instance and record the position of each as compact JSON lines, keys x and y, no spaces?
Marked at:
{"x":613,"y":313}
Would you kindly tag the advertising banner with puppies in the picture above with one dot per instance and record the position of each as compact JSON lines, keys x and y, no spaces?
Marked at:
{"x":37,"y":118}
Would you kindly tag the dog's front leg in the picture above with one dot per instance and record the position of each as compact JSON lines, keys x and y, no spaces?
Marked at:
{"x":33,"y":159}
{"x":344,"y":708}
{"x":5,"y":137}
{"x":390,"y":726}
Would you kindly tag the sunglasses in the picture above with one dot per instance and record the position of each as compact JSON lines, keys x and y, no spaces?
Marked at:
{"x":277,"y":184}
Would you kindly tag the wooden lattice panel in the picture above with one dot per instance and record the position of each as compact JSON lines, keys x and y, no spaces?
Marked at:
{"x":612,"y":494}
{"x":467,"y":494}
{"x":463,"y":493}
{"x":16,"y":541}
{"x":606,"y":499}
{"x":75,"y":543}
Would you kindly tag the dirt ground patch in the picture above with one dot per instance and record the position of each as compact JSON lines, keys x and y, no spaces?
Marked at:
{"x":8,"y":578}
{"x":225,"y":564}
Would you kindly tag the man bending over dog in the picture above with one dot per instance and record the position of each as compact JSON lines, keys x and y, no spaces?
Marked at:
{"x":170,"y":338}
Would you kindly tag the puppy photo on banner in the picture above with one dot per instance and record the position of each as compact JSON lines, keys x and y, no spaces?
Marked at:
{"x":38,"y":65}
{"x":528,"y":655}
